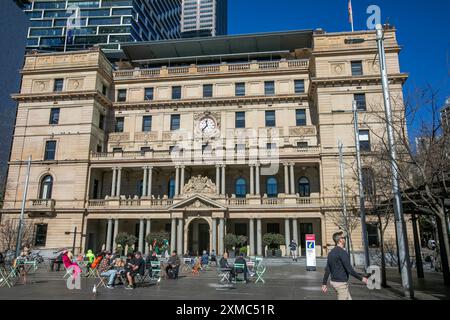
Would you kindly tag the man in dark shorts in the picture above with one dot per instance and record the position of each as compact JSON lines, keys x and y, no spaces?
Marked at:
{"x":134,"y":267}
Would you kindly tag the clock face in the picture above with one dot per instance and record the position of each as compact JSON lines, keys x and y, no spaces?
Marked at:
{"x":207,"y":126}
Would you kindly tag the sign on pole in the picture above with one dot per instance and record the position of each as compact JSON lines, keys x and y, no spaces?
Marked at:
{"x":310,"y":252}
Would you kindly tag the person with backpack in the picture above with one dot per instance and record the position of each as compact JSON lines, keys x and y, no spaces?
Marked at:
{"x":293,"y":247}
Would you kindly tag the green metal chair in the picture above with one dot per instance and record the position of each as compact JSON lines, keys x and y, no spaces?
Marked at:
{"x":239,"y":268}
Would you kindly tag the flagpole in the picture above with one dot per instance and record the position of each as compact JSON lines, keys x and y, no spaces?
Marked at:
{"x":65,"y":39}
{"x":350,"y":12}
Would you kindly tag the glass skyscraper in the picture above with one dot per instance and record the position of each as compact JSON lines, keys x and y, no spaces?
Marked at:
{"x":106,"y":23}
{"x":204,"y":18}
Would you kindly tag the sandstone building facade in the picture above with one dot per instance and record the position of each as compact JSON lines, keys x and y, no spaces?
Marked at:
{"x":199,"y":138}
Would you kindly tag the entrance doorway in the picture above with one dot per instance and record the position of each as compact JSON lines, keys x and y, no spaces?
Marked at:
{"x":198,"y":238}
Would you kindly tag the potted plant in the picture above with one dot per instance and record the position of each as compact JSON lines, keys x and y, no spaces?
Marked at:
{"x":125,"y":240}
{"x":241,"y":241}
{"x":230,"y":241}
{"x":273,"y":242}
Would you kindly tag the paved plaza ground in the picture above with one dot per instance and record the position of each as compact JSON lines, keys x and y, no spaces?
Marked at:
{"x":285,"y":281}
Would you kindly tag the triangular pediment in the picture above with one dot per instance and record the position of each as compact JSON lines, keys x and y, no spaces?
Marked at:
{"x":197,"y":202}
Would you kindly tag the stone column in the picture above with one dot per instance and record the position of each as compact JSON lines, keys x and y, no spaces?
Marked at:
{"x":173,"y":231}
{"x":116,"y":232}
{"x":180,"y":237}
{"x":221,"y":234}
{"x":292,"y":179}
{"x":177,"y":181}
{"x":259,"y":249}
{"x":295,"y":232}
{"x":119,"y":181}
{"x":218,"y":179}
{"x":214,"y":235}
{"x":108,"y":235}
{"x":148,"y":230}
{"x":287,"y":233}
{"x":144,"y":183}
{"x":113,"y":183}
{"x":286,"y":179}
{"x":251,"y":242}
{"x":149,"y":187}
{"x":252,"y":180}
{"x":182,"y":182}
{"x":258,"y":190}
{"x":223,"y":180}
{"x":141,"y":236}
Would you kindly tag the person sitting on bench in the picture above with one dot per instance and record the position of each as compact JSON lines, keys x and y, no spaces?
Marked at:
{"x":134,"y":267}
{"x":173,"y":264}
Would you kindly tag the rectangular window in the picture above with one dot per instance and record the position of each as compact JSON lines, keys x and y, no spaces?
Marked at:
{"x":119,"y":124}
{"x":364,"y":140}
{"x":122,"y":95}
{"x":41,"y":235}
{"x":240,"y":119}
{"x":50,"y":150}
{"x":54,"y":116}
{"x":104,"y":90}
{"x":207,"y":91}
{"x":59,"y":85}
{"x":146,"y":123}
{"x":240,"y":148}
{"x":145,"y":149}
{"x":270,"y":119}
{"x":271,"y":146}
{"x":299,"y":86}
{"x":99,"y":148}
{"x":269,"y":88}
{"x":372,"y":235}
{"x":357,"y":68}
{"x":174,"y":122}
{"x":240,"y":89}
{"x":176,"y":92}
{"x":148,"y":94}
{"x":117,"y":150}
{"x":360,"y":99}
{"x":101,"y":122}
{"x":302,"y":145}
{"x":300,"y":117}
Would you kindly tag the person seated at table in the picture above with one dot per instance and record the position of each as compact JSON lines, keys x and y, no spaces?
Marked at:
{"x":241,"y":260}
{"x":57,"y":260}
{"x":223,"y":263}
{"x":90,"y":258}
{"x":187,"y":254}
{"x":129,"y":257}
{"x":173,"y":265}
{"x":67,"y":261}
{"x":97,"y":260}
{"x":204,"y":259}
{"x":134,"y":267}
{"x":106,"y":269}
{"x":119,"y":266}
{"x":151,"y":257}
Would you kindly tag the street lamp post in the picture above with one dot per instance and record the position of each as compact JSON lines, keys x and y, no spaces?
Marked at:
{"x":343,"y":197}
{"x":22,"y":210}
{"x":398,"y":210}
{"x":361,"y":189}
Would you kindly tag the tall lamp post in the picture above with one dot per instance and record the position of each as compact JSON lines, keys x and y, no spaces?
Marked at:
{"x":362,"y":208}
{"x":343,"y":197}
{"x":398,"y":210}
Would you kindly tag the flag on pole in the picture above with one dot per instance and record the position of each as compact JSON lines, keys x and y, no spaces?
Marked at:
{"x":72,"y":24}
{"x":350,"y":14}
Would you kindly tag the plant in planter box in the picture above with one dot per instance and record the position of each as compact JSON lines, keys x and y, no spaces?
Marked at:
{"x":125,"y":240}
{"x":240,"y":243}
{"x":273,"y":242}
{"x":230,"y":241}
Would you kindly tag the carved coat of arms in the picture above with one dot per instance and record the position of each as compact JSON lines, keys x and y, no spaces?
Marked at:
{"x":199,"y":185}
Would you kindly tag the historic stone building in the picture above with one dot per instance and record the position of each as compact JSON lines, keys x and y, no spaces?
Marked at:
{"x":199,"y":138}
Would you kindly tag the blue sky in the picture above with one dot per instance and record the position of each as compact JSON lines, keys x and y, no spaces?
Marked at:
{"x":423,"y":29}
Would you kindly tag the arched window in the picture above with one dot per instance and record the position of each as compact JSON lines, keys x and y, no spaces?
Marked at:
{"x":46,"y":188}
{"x":171,"y":190}
{"x":304,"y":187}
{"x":241,"y":188}
{"x":272,"y":187}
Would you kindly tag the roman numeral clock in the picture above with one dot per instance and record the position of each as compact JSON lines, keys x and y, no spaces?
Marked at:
{"x":207,"y":125}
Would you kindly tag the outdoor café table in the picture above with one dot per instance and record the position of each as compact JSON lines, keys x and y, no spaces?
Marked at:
{"x":7,"y":276}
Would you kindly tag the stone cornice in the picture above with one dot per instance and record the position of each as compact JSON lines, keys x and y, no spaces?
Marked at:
{"x":248,"y":100}
{"x":62,"y":96}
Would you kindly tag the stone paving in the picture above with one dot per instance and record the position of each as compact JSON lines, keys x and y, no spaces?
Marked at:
{"x":283,"y":282}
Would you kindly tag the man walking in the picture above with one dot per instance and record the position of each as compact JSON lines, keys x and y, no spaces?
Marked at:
{"x":338,"y":265}
{"x":293,"y":247}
